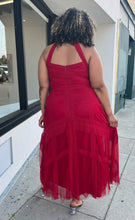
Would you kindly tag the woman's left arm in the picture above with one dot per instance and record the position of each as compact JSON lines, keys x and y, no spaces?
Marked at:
{"x":97,"y":83}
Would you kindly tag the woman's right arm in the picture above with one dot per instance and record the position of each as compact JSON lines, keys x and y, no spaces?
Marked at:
{"x":97,"y":83}
{"x":43,"y":79}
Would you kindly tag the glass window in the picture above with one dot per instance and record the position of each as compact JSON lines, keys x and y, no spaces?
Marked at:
{"x":35,"y":40}
{"x":9,"y":97}
{"x":134,"y":72}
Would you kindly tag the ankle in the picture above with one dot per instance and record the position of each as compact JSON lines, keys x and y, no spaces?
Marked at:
{"x":76,"y":201}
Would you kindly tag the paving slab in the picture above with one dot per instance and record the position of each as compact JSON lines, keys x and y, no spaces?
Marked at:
{"x":133,"y":150}
{"x":40,"y":209}
{"x":126,"y":145}
{"x":98,"y":207}
{"x":123,"y":204}
{"x":129,"y":171}
{"x":122,"y":162}
{"x":126,"y":131}
{"x":95,"y":207}
{"x":126,"y":119}
{"x":23,"y":189}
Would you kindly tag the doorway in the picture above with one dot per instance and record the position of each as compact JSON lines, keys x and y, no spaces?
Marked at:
{"x":130,"y":86}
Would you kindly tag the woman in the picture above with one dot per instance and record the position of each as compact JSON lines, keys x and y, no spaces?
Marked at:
{"x":79,"y":153}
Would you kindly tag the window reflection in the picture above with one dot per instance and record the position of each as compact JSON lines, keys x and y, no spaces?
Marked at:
{"x":9,"y":99}
{"x":3,"y":55}
{"x":35,"y":40}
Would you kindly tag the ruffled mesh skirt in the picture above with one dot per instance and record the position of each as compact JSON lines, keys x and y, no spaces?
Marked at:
{"x":78,"y":159}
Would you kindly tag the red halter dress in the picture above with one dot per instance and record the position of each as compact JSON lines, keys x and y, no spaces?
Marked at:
{"x":79,"y":153}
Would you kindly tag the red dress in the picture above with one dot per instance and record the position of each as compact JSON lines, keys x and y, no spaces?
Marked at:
{"x":79,"y":153}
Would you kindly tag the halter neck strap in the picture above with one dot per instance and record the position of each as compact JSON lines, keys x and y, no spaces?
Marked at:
{"x":80,"y":52}
{"x":50,"y":53}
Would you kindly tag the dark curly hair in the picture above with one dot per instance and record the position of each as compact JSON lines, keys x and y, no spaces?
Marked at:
{"x":74,"y":26}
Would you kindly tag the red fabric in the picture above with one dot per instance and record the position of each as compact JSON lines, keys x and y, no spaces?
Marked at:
{"x":79,"y":153}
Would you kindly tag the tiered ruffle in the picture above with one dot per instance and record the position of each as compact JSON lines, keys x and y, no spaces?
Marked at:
{"x":78,"y":159}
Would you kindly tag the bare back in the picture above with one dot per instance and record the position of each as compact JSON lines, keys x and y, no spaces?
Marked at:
{"x":67,"y":54}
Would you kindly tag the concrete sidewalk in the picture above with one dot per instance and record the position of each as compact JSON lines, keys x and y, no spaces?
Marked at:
{"x":25,"y":201}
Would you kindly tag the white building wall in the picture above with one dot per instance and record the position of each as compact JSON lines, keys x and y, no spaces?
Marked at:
{"x":110,"y":7}
{"x":105,"y":43}
{"x":25,"y":137}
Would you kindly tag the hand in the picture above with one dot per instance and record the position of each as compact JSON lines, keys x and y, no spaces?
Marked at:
{"x":41,"y":121}
{"x":113,"y":122}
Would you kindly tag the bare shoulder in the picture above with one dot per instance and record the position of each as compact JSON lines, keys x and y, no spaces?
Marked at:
{"x":45,"y":52}
{"x":89,"y":52}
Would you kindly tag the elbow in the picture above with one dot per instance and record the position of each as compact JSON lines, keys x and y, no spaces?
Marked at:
{"x":44,"y":87}
{"x":98,"y":88}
